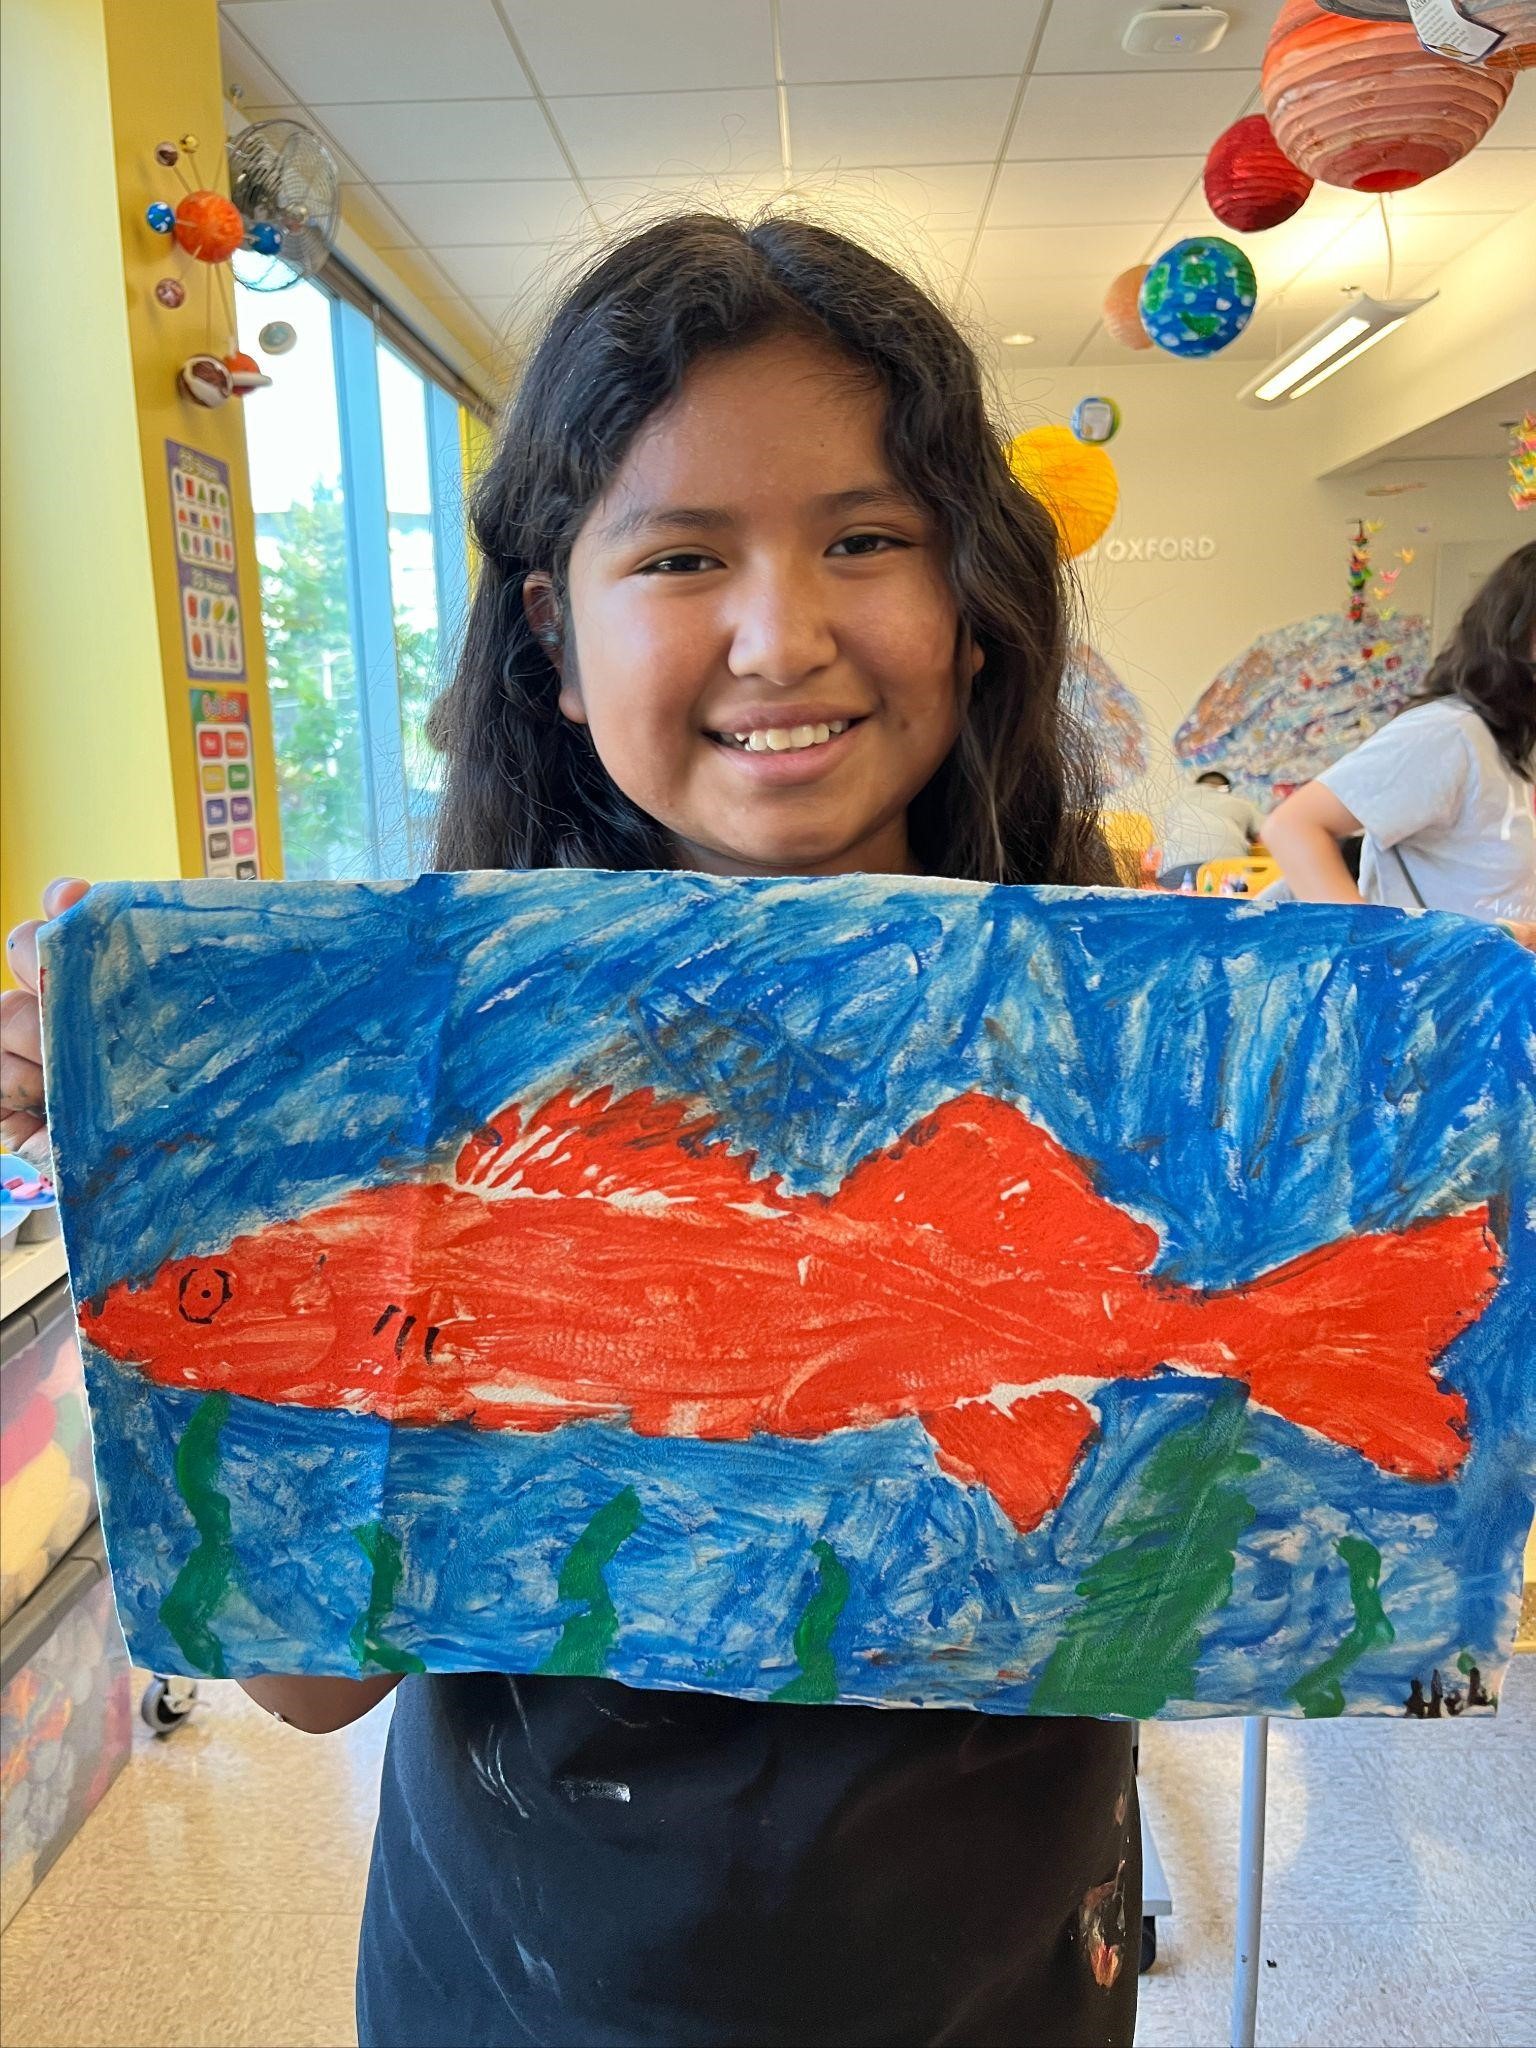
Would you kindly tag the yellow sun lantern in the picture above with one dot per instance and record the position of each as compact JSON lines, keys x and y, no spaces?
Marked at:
{"x":1074,"y":480}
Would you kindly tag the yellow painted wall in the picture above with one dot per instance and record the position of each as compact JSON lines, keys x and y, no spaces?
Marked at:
{"x":85,"y":783}
{"x":166,"y":81}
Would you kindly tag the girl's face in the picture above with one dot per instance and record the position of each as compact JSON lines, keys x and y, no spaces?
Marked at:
{"x":762,"y":638}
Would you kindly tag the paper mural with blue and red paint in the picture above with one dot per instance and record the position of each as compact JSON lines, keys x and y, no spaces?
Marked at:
{"x":893,"y":1291}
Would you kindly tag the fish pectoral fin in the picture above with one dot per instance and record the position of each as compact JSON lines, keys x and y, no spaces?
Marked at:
{"x":1024,"y":1455}
{"x":1344,"y":1340}
{"x":634,"y":1146}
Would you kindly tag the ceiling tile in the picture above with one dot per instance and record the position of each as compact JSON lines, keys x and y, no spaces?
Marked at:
{"x":351,"y":173}
{"x":1084,"y":35}
{"x":591,"y":46}
{"x":363,"y":210}
{"x":914,"y":121}
{"x":531,"y":271}
{"x":636,"y":135}
{"x":242,"y":67}
{"x":1097,"y":252}
{"x":1516,"y":126}
{"x":1487,"y":181}
{"x":1123,"y":188}
{"x":488,"y":211}
{"x":620,"y":200}
{"x":1033,"y":305}
{"x":1129,"y":115}
{"x":343,"y":50}
{"x":1418,"y":240}
{"x":841,"y":40}
{"x":446,"y":139}
{"x":1280,"y":254}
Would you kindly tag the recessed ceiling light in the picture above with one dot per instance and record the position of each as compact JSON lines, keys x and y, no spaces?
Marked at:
{"x":1017,"y":340}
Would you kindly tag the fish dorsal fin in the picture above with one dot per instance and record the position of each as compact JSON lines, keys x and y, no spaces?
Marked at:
{"x":633,"y":1150}
{"x":979,"y":1169}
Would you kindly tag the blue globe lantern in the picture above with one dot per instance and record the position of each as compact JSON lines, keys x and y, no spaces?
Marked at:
{"x":1198,"y":296}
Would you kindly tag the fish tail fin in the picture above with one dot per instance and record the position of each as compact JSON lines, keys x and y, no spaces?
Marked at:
{"x":638,"y":1146}
{"x":1345,"y":1340}
{"x":1024,"y":1455}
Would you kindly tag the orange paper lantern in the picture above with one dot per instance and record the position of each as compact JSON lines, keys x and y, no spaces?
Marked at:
{"x":209,"y":226}
{"x":1074,"y":480}
{"x":1122,"y":308}
{"x":1364,"y":105}
{"x":1515,"y":21}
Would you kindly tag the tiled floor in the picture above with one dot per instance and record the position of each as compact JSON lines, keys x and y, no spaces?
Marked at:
{"x":214,"y":1896}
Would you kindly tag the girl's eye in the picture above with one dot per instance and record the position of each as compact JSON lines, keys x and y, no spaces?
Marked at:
{"x":867,"y":543}
{"x":679,"y":565}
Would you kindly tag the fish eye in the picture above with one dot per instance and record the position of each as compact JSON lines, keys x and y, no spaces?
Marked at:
{"x":203,"y":1292}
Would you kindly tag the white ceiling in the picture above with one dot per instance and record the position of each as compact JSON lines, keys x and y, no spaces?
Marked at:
{"x":1009,"y":147}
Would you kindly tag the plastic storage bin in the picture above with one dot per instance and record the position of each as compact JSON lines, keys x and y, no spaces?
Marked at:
{"x":66,"y":1715}
{"x":47,"y":1494}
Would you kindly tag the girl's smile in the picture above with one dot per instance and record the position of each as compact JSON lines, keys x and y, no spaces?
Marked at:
{"x":761,"y":634}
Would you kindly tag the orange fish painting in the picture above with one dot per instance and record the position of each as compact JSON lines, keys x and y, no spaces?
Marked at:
{"x":867,"y":1289}
{"x":616,"y":1260}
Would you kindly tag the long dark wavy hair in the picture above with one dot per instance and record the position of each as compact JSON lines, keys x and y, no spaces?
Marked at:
{"x":1488,"y":663}
{"x":1014,"y":801}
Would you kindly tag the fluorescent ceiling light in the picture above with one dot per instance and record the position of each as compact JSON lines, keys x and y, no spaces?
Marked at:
{"x":1357,"y":326}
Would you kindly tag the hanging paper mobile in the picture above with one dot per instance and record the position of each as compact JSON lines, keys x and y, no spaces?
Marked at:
{"x":1074,"y":481}
{"x":1250,"y":182}
{"x":1122,"y":308}
{"x":1198,"y":296}
{"x":1359,"y":571}
{"x":1522,"y":463}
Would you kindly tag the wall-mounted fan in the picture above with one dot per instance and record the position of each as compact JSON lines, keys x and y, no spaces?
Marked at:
{"x":285,"y":182}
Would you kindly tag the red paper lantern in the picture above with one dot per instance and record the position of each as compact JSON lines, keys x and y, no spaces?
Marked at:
{"x":1122,"y":308}
{"x":209,"y":226}
{"x":1250,"y":182}
{"x":1364,"y":105}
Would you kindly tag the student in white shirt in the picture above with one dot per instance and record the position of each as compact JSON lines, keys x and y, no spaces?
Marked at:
{"x":1208,"y":822}
{"x":1443,"y":793}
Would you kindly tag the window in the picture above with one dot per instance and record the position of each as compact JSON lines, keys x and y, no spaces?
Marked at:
{"x":356,"y":482}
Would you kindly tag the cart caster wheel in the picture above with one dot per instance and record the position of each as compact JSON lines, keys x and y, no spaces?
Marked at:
{"x":1148,"y":1944}
{"x":166,"y":1703}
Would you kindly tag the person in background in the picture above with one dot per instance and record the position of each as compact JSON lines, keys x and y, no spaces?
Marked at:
{"x":1207,"y":823}
{"x":1443,"y":792}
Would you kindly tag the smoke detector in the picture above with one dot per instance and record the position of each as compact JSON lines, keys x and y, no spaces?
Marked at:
{"x":1175,"y":31}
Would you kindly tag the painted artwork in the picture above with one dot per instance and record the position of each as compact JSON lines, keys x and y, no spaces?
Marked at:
{"x":1301,"y":697}
{"x":904,"y":1292}
{"x":1112,"y":715}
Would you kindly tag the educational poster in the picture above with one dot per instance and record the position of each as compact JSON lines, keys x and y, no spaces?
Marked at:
{"x":226,"y":783}
{"x":211,"y":626}
{"x":1302,"y":696}
{"x":905,"y":1292}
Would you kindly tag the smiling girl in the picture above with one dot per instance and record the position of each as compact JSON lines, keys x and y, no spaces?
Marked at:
{"x":758,"y":595}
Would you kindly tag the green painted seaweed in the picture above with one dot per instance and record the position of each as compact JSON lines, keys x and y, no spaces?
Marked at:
{"x":582,"y":1651}
{"x":369,"y":1646}
{"x":1319,"y":1694}
{"x":203,"y":1582}
{"x":816,"y":1682}
{"x":1133,"y":1644}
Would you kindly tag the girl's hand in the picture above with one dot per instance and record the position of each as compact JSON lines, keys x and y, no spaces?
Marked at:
{"x":1522,"y":933}
{"x":23,"y":1117}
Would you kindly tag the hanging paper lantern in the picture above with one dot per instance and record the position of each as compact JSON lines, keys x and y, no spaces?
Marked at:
{"x":1075,"y":482}
{"x":1198,"y":296}
{"x":1250,"y":182}
{"x":1364,"y":104}
{"x":1522,"y":464}
{"x":1515,"y":21}
{"x":1122,"y":309}
{"x":1095,"y":419}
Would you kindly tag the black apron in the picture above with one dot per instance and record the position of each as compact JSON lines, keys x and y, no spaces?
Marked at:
{"x":574,"y":1863}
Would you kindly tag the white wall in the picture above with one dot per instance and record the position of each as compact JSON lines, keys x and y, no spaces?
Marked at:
{"x":1192,"y":462}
